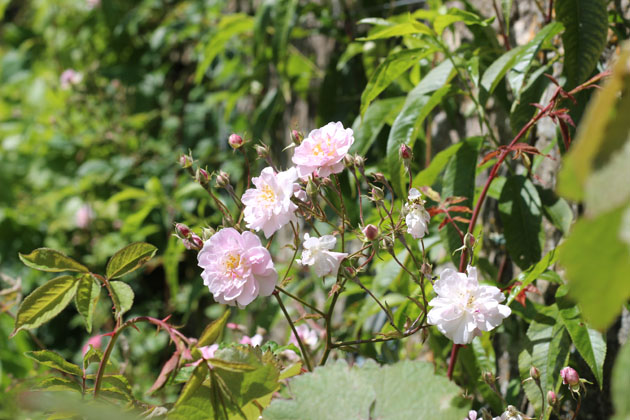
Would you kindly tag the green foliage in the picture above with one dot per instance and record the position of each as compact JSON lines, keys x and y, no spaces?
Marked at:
{"x":86,"y":298}
{"x":46,"y":259}
{"x":129,"y":258}
{"x":122,"y":296}
{"x":55,"y":361}
{"x":620,"y":380}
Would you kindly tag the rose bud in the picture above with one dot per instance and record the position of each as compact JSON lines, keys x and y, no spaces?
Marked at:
{"x":405,"y":152}
{"x":235,"y":141}
{"x":569,"y":376}
{"x":552,"y":399}
{"x":371,"y":232}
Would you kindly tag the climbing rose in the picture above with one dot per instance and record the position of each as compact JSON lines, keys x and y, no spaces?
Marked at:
{"x":308,"y":336}
{"x":268,"y":206}
{"x":463,"y":308}
{"x":317,"y":253}
{"x":417,"y":218}
{"x":254,"y":341}
{"x":323,"y":150}
{"x":207,"y":352}
{"x":236,"y":267}
{"x":70,"y":77}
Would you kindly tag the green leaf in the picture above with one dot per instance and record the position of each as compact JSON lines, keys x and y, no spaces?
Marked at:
{"x":93,"y":355}
{"x":597,"y":263}
{"x":506,"y":10}
{"x":199,"y":405}
{"x":196,"y":379}
{"x":556,"y":209}
{"x":547,"y":348}
{"x":441,"y":22}
{"x":522,"y":109}
{"x":54,"y":360}
{"x":400,"y":29}
{"x":590,"y":343}
{"x":584,"y":39}
{"x":389,"y":70}
{"x":119,"y":384}
{"x":123,"y":297}
{"x":213,"y":331}
{"x":129,"y":259}
{"x":459,"y":180}
{"x":497,"y":70}
{"x":378,"y":114}
{"x":477,"y":359}
{"x":430,"y":174}
{"x":283,"y":24}
{"x":619,"y":383}
{"x":45,"y":302}
{"x":58,"y":384}
{"x":86,"y":298}
{"x":231,"y":366}
{"x":520,"y":209}
{"x":533,"y":273}
{"x":46,"y":259}
{"x":404,"y":390}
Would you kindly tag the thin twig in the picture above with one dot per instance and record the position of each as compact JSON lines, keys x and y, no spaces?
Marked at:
{"x":295,"y":333}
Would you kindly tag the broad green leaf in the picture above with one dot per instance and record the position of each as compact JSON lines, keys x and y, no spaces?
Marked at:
{"x":46,"y":259}
{"x":602,"y":132}
{"x":389,"y":70}
{"x":45,"y":302}
{"x":400,"y":29}
{"x":520,"y":209}
{"x":597,"y":263}
{"x":196,"y":379}
{"x":200,"y":404}
{"x":533,"y":273}
{"x":584,"y":39}
{"x":497,"y":70}
{"x":123,"y":297}
{"x":547,"y":348}
{"x":93,"y":355}
{"x":58,"y":384}
{"x":506,"y":10}
{"x":54,"y":360}
{"x":129,"y":259}
{"x":404,"y":390}
{"x":476,"y":360}
{"x":459,"y":180}
{"x":522,"y":109}
{"x":86,"y":298}
{"x":378,"y":114}
{"x":590,"y":343}
{"x":453,"y":15}
{"x":619,"y":383}
{"x":213,"y":332}
{"x":556,"y":209}
{"x":231,"y":366}
{"x":430,"y":174}
{"x":118,"y":384}
{"x":291,"y":371}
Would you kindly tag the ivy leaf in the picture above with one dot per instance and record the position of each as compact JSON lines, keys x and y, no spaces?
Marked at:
{"x":123,"y":297}
{"x":520,"y":209}
{"x":214,"y":331}
{"x":590,"y":343}
{"x":46,"y":259}
{"x":54,"y":360}
{"x":398,"y":391}
{"x":584,"y":39}
{"x":45,"y":303}
{"x":129,"y":259}
{"x":88,"y":293}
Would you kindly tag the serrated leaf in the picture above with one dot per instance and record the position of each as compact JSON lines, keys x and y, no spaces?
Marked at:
{"x":54,"y":360}
{"x":534,"y":272}
{"x":196,"y":379}
{"x":520,"y":209}
{"x":129,"y":259}
{"x":93,"y":355}
{"x":200,"y":405}
{"x":45,"y":302}
{"x":453,"y":15}
{"x":58,"y":384}
{"x":123,"y":297}
{"x":231,"y":366}
{"x":584,"y":38}
{"x":213,"y":332}
{"x":118,"y":383}
{"x":86,"y":298}
{"x":46,"y":259}
{"x":404,"y":390}
{"x":388,"y":71}
{"x":291,"y":371}
{"x":619,"y":383}
{"x":590,"y":344}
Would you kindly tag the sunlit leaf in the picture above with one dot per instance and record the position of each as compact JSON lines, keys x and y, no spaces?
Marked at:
{"x":129,"y":259}
{"x":46,"y":259}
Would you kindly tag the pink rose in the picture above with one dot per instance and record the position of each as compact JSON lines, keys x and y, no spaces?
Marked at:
{"x":308,"y":336}
{"x":323,"y":150}
{"x":94,"y":341}
{"x":236,"y":267}
{"x":268,"y":207}
{"x":254,"y":341}
{"x":70,"y":77}
{"x":84,"y":216}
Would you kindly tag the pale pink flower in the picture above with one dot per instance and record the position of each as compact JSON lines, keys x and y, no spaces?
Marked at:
{"x":417,"y":218}
{"x":207,"y":352}
{"x":317,"y":253}
{"x":569,"y":376}
{"x":94,"y":341}
{"x":268,"y":207}
{"x":323,"y":150}
{"x":308,"y":336}
{"x":236,"y":267}
{"x":69,"y":78}
{"x":463,"y":308}
{"x":84,"y":216}
{"x":254,"y":341}
{"x":472,"y":415}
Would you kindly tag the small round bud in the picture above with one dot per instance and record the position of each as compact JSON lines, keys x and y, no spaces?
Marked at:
{"x":196,"y":241}
{"x":377,"y":194}
{"x":207,"y":233}
{"x":311,"y":188}
{"x":350,"y":272}
{"x":370,"y":231}
{"x":235,"y":141}
{"x":185,"y":161}
{"x":552,"y":399}
{"x":348,"y":161}
{"x":202,"y":176}
{"x":223,"y":180}
{"x":405,"y":152}
{"x":262,"y":150}
{"x":569,"y":376}
{"x":534,"y":373}
{"x":182,"y":230}
{"x":297,"y":137}
{"x":359,"y":162}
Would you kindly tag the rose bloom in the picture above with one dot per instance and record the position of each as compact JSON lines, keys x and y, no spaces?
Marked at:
{"x":236,"y":267}
{"x":70,"y":77}
{"x":463,"y":308}
{"x":323,"y":150}
{"x":317,"y":253}
{"x":254,"y":341}
{"x":207,"y":352}
{"x":417,"y":218}
{"x":84,"y":216}
{"x":268,"y":207}
{"x":308,"y":336}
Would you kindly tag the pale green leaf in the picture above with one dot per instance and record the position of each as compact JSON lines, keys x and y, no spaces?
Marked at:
{"x":213,"y":332}
{"x":620,"y":381}
{"x":58,"y":384}
{"x":196,"y":379}
{"x":46,"y":259}
{"x":54,"y":360}
{"x":129,"y":259}
{"x":86,"y":298}
{"x":123,"y":297}
{"x":400,"y":29}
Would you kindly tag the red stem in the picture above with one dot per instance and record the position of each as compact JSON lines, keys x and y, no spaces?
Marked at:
{"x":451,"y":365}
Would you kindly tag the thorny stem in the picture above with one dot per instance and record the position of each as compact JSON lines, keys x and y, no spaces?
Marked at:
{"x":105,"y":283}
{"x":380,"y":339}
{"x":343,"y":213}
{"x":356,"y":178}
{"x":295,"y":333}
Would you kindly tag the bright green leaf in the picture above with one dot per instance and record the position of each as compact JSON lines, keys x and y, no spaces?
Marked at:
{"x":129,"y":259}
{"x":46,"y":259}
{"x":620,"y":381}
{"x":533,"y":273}
{"x":430,"y":174}
{"x":196,"y":379}
{"x":58,"y":384}
{"x":54,"y":360}
{"x":213,"y":332}
{"x":86,"y":298}
{"x":123,"y":297}
{"x":401,"y":29}
{"x":378,"y":114}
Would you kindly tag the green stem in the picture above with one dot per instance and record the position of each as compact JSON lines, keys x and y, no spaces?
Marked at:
{"x":308,"y":305}
{"x":328,"y":319}
{"x":295,"y":333}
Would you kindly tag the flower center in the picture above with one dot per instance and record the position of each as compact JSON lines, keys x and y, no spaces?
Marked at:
{"x":231,"y":263}
{"x":327,"y":150}
{"x":267,"y":195}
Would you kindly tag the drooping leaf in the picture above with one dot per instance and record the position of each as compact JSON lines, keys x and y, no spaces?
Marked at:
{"x":506,"y":11}
{"x":213,"y":332}
{"x":584,"y":39}
{"x":620,"y":381}
{"x":86,"y":298}
{"x":123,"y":297}
{"x":402,"y":390}
{"x":453,"y":15}
{"x":58,"y":384}
{"x":45,"y":302}
{"x":497,"y":70}
{"x":129,"y":259}
{"x":556,"y":209}
{"x":520,"y":209}
{"x":590,"y":343}
{"x":46,"y":259}
{"x":54,"y":360}
{"x":597,"y":263}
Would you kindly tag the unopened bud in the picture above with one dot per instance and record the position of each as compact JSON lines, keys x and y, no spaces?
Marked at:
{"x":311,"y":188}
{"x":569,"y":376}
{"x":297,"y":137}
{"x":185,"y":161}
{"x":235,"y":141}
{"x":379,"y":177}
{"x":207,"y":233}
{"x":193,"y":242}
{"x":370,"y":231}
{"x":223,"y":180}
{"x":405,"y":152}
{"x":377,"y":194}
{"x":348,"y":161}
{"x":427,"y":269}
{"x":202,"y":176}
{"x":552,"y":399}
{"x":387,"y":243}
{"x":489,"y":378}
{"x":350,"y":272}
{"x":359,"y":161}
{"x":182,"y":230}
{"x":534,"y":373}
{"x":262,"y":150}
